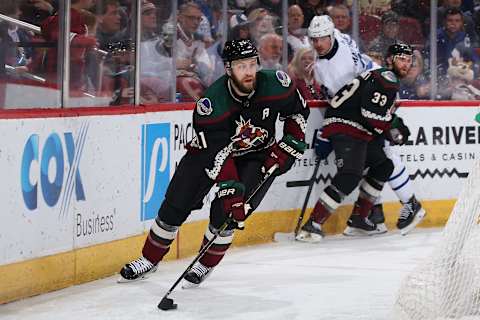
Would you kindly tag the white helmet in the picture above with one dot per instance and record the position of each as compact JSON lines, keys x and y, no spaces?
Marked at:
{"x":321,"y":26}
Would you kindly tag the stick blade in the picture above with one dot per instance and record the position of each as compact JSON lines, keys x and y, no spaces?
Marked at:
{"x":167,"y":304}
{"x":284,"y":237}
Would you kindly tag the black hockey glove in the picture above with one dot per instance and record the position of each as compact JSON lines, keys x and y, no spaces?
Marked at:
{"x":399,"y":132}
{"x":322,"y":146}
{"x":231,"y":193}
{"x":284,"y":153}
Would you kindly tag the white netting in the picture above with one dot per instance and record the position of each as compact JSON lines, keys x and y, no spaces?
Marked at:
{"x":447,"y":285}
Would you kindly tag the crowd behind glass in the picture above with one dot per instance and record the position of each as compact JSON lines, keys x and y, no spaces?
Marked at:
{"x":179,"y":45}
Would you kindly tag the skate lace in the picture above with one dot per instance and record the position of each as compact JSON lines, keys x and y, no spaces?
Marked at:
{"x":141,"y":265}
{"x":406,"y":210}
{"x":200,"y":270}
{"x":370,"y":223}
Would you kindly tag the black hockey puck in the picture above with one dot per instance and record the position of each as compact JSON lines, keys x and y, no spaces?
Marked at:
{"x":167,"y":304}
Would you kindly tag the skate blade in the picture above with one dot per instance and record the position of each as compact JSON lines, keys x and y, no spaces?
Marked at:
{"x":356,"y":232}
{"x":189,"y":285}
{"x":308,"y":237}
{"x":416,"y":220}
{"x":123,"y":280}
{"x":283,"y":237}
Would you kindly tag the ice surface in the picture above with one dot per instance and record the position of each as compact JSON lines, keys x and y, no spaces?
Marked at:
{"x":338,"y":279}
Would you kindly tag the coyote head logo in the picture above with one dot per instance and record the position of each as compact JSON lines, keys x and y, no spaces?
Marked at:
{"x":247,"y":135}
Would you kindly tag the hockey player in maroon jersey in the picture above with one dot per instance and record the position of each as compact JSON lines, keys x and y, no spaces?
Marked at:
{"x":359,"y":117}
{"x":234,"y":146}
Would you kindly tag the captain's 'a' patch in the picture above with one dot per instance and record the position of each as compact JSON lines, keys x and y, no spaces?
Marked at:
{"x":283,"y":78}
{"x":204,"y":107}
{"x":389,"y":75}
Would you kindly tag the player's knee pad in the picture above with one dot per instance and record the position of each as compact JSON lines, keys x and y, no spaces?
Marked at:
{"x":381,"y":171}
{"x":370,"y":189}
{"x":172,"y":215}
{"x":331,"y":198}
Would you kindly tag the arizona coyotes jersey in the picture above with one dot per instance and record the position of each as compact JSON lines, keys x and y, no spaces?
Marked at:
{"x":227,"y":126}
{"x":364,"y":107}
{"x":343,"y":63}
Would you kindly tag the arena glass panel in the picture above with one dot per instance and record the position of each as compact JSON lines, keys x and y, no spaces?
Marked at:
{"x":30,"y":75}
{"x":102,"y":53}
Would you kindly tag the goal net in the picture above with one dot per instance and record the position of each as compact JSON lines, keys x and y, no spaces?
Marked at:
{"x":447,"y":284}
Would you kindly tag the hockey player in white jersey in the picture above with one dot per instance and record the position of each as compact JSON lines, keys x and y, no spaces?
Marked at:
{"x":338,"y":62}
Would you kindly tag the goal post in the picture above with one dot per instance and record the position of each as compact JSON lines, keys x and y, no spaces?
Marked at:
{"x":447,"y":284}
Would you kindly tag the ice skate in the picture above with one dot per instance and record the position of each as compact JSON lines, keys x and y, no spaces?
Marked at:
{"x":411,"y":214}
{"x":196,"y":276}
{"x":358,"y":226}
{"x":310,"y":232}
{"x":136,"y":270}
{"x":378,"y":217}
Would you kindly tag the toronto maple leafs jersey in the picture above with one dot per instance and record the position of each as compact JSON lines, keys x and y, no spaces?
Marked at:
{"x":343,"y":63}
{"x":364,"y":107}
{"x":228,"y":126}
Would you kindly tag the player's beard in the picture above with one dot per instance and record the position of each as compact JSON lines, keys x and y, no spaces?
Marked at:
{"x":244,"y":88}
{"x":400,"y":72}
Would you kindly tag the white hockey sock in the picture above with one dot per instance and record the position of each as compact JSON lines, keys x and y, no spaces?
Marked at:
{"x":400,"y":183}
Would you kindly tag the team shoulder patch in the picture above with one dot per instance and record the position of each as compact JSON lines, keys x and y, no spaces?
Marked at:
{"x":389,"y":75}
{"x":204,"y":107}
{"x":283,"y":78}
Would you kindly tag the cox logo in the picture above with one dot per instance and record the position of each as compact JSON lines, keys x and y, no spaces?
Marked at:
{"x":155,"y":167}
{"x":44,"y":167}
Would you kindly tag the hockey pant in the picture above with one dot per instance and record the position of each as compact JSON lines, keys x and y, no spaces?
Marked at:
{"x":352,"y":156}
{"x":188,"y":187}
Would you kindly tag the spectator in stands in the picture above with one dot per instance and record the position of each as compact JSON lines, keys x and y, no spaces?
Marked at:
{"x":192,"y":58}
{"x":16,"y":56}
{"x":468,"y":21}
{"x":7,"y":55}
{"x":297,"y":37}
{"x":270,"y":51}
{"x":274,"y":7}
{"x":110,"y":27}
{"x":149,"y":21}
{"x":80,"y":43}
{"x":449,"y":36}
{"x":36,"y":11}
{"x":389,"y":34}
{"x":410,"y":84}
{"x":312,"y":8}
{"x":239,"y":27}
{"x":460,"y":75}
{"x":372,"y":7}
{"x":300,"y":70}
{"x":156,"y":62}
{"x":261,"y":23}
{"x":340,"y":15}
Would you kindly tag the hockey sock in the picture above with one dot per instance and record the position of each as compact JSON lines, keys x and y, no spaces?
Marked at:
{"x":327,"y":203}
{"x":217,"y":251}
{"x":400,"y":183}
{"x":369,"y":192}
{"x":158,"y":242}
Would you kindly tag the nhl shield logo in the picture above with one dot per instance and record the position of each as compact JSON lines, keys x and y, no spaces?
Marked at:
{"x":204,"y":107}
{"x":283,"y":78}
{"x":390,"y":76}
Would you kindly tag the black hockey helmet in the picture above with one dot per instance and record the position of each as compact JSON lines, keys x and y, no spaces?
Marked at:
{"x":399,"y":49}
{"x":238,"y":49}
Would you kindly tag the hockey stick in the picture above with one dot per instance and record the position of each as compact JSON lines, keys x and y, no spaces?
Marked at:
{"x":167,"y":303}
{"x":279,"y":236}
